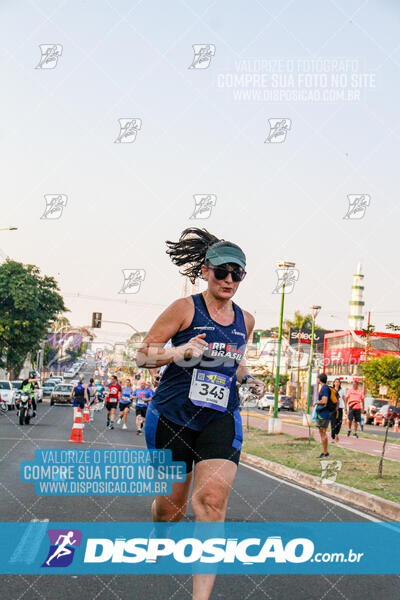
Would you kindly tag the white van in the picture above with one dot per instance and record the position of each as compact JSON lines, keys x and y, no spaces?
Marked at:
{"x":7,"y":393}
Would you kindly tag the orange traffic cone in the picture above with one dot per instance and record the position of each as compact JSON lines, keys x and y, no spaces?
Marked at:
{"x":396,"y":425}
{"x":77,"y":427}
{"x":86,"y":414}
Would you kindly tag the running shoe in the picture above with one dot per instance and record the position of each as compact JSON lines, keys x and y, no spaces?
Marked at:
{"x":124,"y":426}
{"x":355,"y":435}
{"x":119,"y":421}
{"x":322,"y":455}
{"x":111,"y":426}
{"x":348,"y":433}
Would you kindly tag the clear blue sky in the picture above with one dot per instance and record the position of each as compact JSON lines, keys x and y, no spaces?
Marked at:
{"x":287,"y":200}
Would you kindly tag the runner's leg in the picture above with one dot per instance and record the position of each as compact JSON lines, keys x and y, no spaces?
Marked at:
{"x":350,"y":422}
{"x":324,"y":439}
{"x":213,"y":480}
{"x":172,"y":508}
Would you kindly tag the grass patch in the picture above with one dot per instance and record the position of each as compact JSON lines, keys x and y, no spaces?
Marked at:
{"x":359,"y":470}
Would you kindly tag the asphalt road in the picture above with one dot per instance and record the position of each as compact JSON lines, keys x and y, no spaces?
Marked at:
{"x":255,"y":497}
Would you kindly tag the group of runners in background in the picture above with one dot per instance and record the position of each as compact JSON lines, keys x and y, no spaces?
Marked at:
{"x":116,"y":396}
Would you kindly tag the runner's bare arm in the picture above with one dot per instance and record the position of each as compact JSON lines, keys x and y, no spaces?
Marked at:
{"x":176,"y":317}
{"x":256,"y":386}
{"x":242,"y":369}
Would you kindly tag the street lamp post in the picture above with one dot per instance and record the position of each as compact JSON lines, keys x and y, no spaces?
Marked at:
{"x":286,"y":266}
{"x":314,"y":312}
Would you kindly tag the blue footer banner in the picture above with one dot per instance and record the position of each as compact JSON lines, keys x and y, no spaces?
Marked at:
{"x":40,"y":547}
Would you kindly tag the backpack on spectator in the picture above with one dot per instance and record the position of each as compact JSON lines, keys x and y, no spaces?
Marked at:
{"x":332,"y":403}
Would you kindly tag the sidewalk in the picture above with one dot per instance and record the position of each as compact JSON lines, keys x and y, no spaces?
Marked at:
{"x":367,"y":446}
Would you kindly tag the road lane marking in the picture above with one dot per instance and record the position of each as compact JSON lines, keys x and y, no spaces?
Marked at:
{"x":28,"y":546}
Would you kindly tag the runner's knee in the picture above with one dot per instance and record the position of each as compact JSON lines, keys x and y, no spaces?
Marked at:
{"x":209,"y":506}
{"x":166,"y":510}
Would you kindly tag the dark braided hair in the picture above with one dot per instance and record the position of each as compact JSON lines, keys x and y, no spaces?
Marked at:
{"x":191,"y":250}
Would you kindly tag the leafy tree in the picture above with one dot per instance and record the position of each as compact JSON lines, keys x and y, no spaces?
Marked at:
{"x":384,"y":370}
{"x":393,"y":327}
{"x":29,"y":304}
{"x":61,"y":321}
{"x":299,"y":321}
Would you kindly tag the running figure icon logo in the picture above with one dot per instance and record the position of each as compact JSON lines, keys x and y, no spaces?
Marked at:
{"x":358,"y":204}
{"x":50,"y":54}
{"x":278,"y":129}
{"x":55,"y":204}
{"x":63,"y":543}
{"x":287,"y":277}
{"x":132,"y":280}
{"x":203,"y":205}
{"x":128,"y":129}
{"x":203,"y":54}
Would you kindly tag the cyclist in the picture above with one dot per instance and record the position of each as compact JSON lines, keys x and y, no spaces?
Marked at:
{"x":114,"y":395}
{"x":142,"y":395}
{"x":125,"y":403}
{"x":195,"y":408}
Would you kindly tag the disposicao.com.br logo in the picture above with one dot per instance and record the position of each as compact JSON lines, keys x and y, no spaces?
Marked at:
{"x":250,"y":551}
{"x":178,"y":548}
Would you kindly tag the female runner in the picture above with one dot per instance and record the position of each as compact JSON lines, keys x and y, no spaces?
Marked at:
{"x":195,"y":408}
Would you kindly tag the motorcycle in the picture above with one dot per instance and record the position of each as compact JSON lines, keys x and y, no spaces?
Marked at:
{"x":25,"y":408}
{"x":3,"y":405}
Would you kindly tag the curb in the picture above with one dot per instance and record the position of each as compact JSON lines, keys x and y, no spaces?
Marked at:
{"x":369,"y":502}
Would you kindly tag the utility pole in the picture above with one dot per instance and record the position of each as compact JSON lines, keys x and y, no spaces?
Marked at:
{"x":314,"y":312}
{"x":298,"y":391}
{"x":368,"y":331}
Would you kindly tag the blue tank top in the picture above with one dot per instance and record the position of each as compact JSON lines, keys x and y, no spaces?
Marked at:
{"x":226,"y":346}
{"x":126,"y":395}
{"x":79,"y":392}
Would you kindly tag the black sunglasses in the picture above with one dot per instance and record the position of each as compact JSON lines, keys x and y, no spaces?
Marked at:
{"x":221,"y":273}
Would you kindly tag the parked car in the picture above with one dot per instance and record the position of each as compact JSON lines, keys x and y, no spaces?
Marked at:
{"x":16,"y":384}
{"x":266,"y":401}
{"x":38,"y":393}
{"x":380,"y":415}
{"x":56,"y":378}
{"x":7,"y":393}
{"x":70,"y":373}
{"x":285,"y":403}
{"x":48,"y":387}
{"x":388,"y":413}
{"x":61,"y":394}
{"x":372,"y":409}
